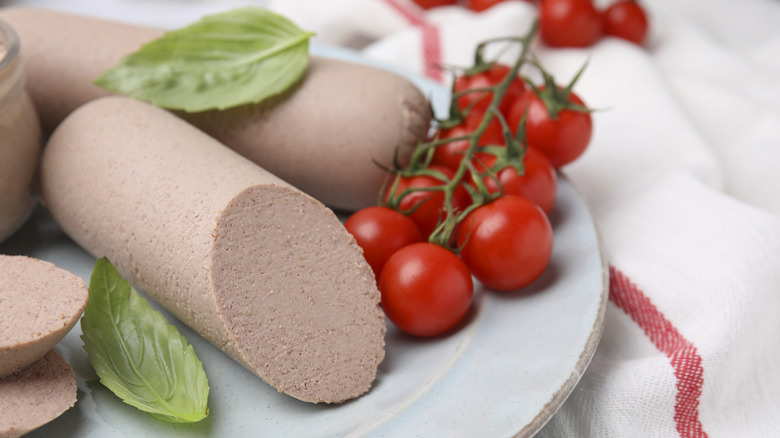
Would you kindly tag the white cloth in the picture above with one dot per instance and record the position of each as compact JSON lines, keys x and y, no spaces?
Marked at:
{"x":682,"y":177}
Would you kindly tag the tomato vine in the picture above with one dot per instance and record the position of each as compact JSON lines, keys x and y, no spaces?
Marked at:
{"x":479,"y":190}
{"x":510,"y":154}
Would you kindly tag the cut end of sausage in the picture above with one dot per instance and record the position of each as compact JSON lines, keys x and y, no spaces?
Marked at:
{"x":36,"y":395}
{"x":297,"y":296}
{"x":39,"y":304}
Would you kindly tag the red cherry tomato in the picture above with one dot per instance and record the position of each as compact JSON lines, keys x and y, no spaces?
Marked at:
{"x":426,"y":289}
{"x":626,"y":19}
{"x":569,"y":23}
{"x":507,"y":244}
{"x":429,"y":204}
{"x":430,"y":4}
{"x":539,"y":182}
{"x":451,"y":154}
{"x":562,"y":139}
{"x":380,"y":232}
{"x":484,"y":79}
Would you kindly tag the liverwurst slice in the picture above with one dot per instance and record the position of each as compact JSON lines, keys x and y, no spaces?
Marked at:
{"x":260,"y":269}
{"x":39,"y":304}
{"x":36,"y":395}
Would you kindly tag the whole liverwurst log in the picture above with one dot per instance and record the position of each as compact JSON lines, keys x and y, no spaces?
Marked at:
{"x":322,"y":137}
{"x":262,"y":270}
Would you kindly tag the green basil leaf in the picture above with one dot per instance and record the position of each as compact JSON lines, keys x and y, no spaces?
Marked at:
{"x":224,"y":60}
{"x":137,"y":354}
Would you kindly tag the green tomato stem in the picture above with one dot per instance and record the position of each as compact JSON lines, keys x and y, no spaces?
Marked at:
{"x":441,"y":235}
{"x":423,"y":153}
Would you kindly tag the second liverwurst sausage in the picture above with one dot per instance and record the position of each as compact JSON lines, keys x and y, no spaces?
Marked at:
{"x":322,"y":137}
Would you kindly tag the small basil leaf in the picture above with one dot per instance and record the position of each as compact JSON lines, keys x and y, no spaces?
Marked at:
{"x":224,"y":60}
{"x":137,"y":354}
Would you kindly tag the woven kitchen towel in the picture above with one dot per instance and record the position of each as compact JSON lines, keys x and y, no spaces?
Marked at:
{"x":683,"y":179}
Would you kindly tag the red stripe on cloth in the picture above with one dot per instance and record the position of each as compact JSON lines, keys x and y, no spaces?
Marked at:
{"x":684,"y":356}
{"x":432,"y":52}
{"x":431,"y":38}
{"x":413,"y":14}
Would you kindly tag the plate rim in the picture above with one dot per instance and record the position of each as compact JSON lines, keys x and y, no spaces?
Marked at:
{"x":594,"y":339}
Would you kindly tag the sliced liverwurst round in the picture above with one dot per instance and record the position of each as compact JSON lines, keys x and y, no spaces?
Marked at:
{"x":39,"y":304}
{"x":36,"y":395}
{"x":262,"y":270}
{"x":324,"y":136}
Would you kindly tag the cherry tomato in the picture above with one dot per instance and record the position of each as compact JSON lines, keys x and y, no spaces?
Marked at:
{"x":562,"y":139}
{"x":380,"y":232}
{"x":626,"y":19}
{"x":426,"y":289}
{"x":569,"y":23}
{"x":484,"y":79}
{"x":428,"y":204}
{"x":430,"y":4}
{"x":538,"y":183}
{"x":507,"y":244}
{"x":451,"y":154}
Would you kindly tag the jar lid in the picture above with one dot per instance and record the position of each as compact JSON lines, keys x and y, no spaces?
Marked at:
{"x":11,"y":75}
{"x":10,"y":44}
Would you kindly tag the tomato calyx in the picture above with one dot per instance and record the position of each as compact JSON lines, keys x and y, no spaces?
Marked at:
{"x":510,"y":156}
{"x":481,"y":64}
{"x":555,"y":97}
{"x":472,"y":87}
{"x":393,"y":198}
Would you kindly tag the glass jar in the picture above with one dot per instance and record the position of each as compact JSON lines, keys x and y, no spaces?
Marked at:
{"x":20,"y":138}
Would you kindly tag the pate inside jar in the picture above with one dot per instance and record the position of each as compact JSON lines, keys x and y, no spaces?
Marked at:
{"x":20,"y":138}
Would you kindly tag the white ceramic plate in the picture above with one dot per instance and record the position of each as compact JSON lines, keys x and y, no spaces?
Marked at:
{"x":503,"y":373}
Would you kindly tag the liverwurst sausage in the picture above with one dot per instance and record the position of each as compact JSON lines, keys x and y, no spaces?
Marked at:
{"x":260,"y":269}
{"x":39,"y":304}
{"x":322,"y":137}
